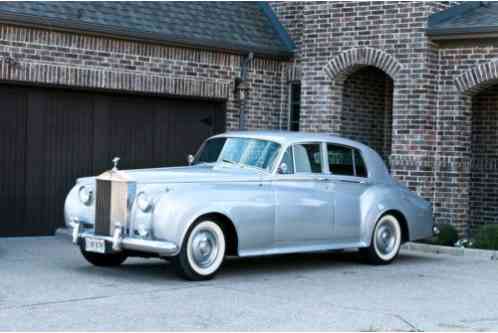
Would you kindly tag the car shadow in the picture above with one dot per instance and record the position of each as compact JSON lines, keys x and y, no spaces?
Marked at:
{"x":346,"y":262}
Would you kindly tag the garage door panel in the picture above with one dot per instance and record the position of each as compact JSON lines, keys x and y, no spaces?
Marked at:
{"x":131,"y":131}
{"x":12,"y":162}
{"x":51,"y":137}
{"x":190,"y":120}
{"x":37,"y":106}
{"x":102,"y":155}
{"x":162,"y":119}
{"x":68,"y":149}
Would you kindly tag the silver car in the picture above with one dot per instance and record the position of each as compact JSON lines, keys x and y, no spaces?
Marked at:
{"x":248,"y":194}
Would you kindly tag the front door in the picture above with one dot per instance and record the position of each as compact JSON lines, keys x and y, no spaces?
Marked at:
{"x":304,"y":212}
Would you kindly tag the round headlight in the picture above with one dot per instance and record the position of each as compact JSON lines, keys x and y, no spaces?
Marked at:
{"x":144,"y":203}
{"x":86,"y":195}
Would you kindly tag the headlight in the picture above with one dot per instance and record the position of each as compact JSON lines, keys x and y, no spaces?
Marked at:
{"x":144,"y":203}
{"x":86,"y":195}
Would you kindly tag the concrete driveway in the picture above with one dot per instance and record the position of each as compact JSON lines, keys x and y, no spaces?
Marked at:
{"x":46,"y":285}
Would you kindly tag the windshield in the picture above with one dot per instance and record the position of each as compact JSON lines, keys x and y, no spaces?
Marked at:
{"x":239,"y":151}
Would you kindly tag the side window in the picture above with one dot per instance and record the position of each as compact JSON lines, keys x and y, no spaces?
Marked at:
{"x":308,"y":158}
{"x":289,"y":162}
{"x":340,"y":160}
{"x":361,"y":169}
{"x":346,"y":161}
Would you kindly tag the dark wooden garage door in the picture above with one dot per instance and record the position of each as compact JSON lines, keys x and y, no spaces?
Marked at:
{"x":50,"y":137}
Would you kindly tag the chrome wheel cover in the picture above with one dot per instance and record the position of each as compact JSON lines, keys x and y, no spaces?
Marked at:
{"x":206,"y":248}
{"x":387,"y":237}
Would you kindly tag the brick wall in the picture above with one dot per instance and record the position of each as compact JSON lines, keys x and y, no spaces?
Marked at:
{"x":76,"y":60}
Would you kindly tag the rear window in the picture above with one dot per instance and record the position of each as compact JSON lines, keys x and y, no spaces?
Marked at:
{"x":345,"y":161}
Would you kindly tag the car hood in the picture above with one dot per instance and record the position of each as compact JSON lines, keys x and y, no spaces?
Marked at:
{"x":190,"y":174}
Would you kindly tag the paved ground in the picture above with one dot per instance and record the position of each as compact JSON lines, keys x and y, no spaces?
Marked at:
{"x":46,"y":285}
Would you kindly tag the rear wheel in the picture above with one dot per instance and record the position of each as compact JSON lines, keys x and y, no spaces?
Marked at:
{"x":386,"y":241}
{"x":202,"y":252}
{"x":104,"y":260}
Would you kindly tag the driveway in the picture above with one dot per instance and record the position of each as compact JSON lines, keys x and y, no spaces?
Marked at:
{"x":46,"y":285}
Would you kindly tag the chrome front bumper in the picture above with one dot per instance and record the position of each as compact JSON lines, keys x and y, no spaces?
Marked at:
{"x":119,"y":243}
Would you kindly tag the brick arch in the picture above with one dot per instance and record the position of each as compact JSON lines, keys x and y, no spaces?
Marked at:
{"x":481,"y":76}
{"x":348,"y":61}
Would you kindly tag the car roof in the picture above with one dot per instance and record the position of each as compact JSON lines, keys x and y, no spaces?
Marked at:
{"x":288,"y":137}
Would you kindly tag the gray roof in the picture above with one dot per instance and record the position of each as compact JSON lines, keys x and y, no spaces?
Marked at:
{"x":285,"y":137}
{"x":464,"y":19}
{"x":235,"y":26}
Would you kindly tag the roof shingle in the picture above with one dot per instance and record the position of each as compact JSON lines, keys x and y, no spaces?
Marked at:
{"x":237,"y":26}
{"x":466,"y":18}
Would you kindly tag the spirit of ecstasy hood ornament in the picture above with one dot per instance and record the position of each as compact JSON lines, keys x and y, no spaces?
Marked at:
{"x":115,"y":161}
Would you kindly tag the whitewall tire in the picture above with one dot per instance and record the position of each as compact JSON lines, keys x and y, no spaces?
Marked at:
{"x":202,"y":252}
{"x":386,"y":241}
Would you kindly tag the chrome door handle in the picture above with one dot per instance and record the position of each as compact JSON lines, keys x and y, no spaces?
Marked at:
{"x":322,"y":179}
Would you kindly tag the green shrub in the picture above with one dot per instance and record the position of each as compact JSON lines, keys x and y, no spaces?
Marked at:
{"x":486,"y":237}
{"x":448,"y":235}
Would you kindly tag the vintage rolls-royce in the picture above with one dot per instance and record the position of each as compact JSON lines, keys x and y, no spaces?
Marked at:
{"x":248,"y":194}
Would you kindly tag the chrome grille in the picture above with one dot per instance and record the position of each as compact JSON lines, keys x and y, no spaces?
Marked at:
{"x":103,"y":208}
{"x":114,"y":195}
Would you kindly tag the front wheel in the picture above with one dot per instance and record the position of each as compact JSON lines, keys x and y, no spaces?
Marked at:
{"x":202,"y":252}
{"x":386,"y":241}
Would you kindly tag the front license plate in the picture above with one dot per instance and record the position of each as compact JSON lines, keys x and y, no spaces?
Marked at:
{"x":95,"y":245}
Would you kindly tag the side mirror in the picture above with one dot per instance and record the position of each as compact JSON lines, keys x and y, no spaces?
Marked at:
{"x":283,"y":168}
{"x":190,"y":159}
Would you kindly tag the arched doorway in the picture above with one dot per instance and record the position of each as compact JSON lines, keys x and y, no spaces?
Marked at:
{"x":483,"y":189}
{"x":362,"y":83}
{"x":367,"y":105}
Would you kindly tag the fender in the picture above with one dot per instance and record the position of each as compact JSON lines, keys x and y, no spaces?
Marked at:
{"x":416,"y":211}
{"x":249,"y":206}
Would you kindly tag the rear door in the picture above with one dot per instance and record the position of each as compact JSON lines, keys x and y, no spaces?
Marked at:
{"x":349,"y":178}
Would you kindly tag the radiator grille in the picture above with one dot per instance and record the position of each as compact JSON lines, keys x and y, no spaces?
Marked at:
{"x":103,"y":208}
